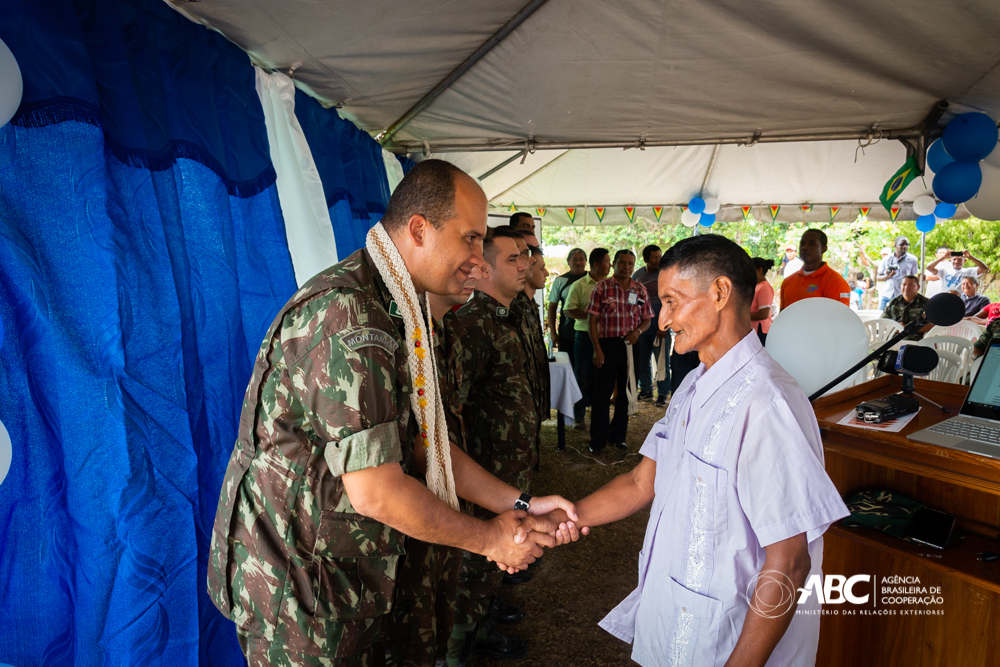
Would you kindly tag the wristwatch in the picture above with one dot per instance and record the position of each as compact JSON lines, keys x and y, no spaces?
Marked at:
{"x":523,"y":503}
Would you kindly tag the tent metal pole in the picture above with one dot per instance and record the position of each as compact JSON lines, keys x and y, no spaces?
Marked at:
{"x":923,"y":262}
{"x":708,"y":172}
{"x":500,"y":166}
{"x":531,"y":175}
{"x":464,"y":67}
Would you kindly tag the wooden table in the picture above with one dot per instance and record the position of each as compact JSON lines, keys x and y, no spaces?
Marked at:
{"x":966,"y":485}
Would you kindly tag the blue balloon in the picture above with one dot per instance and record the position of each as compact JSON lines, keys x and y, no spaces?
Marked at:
{"x":958,"y":182}
{"x":937,"y":156}
{"x":696,"y":205}
{"x":925,"y":223}
{"x":945,"y":211}
{"x":970,"y":137}
{"x":707,"y":219}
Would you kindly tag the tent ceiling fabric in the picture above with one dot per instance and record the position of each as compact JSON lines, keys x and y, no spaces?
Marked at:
{"x":669,"y":70}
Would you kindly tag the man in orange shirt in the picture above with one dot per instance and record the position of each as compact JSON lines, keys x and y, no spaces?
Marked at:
{"x":815,"y":278}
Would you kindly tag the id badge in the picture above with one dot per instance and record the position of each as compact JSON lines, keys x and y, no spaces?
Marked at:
{"x":633,"y":298}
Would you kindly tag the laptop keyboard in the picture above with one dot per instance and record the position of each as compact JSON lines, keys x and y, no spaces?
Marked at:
{"x":967,"y":430}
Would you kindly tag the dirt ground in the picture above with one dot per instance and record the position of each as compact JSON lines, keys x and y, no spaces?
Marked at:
{"x":576,"y":585}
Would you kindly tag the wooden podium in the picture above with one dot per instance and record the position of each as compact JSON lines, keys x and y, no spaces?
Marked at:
{"x":967,"y":633}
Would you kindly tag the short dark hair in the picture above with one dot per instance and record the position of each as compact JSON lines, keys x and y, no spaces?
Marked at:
{"x":623,"y":251}
{"x":914,"y":278}
{"x":900,"y":238}
{"x":514,"y":233}
{"x":517,"y":216}
{"x":713,"y":255}
{"x":764,"y":265}
{"x":574,"y":251}
{"x":427,"y":190}
{"x":598,"y":255}
{"x":649,"y":250}
{"x":535,"y":250}
{"x":822,"y":235}
{"x":489,"y":243}
{"x":859,"y":275}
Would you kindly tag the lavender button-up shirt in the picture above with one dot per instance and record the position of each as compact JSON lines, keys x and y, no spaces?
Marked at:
{"x":739,"y":466}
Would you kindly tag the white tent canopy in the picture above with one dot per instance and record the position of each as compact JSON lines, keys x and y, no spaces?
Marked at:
{"x":639,"y":72}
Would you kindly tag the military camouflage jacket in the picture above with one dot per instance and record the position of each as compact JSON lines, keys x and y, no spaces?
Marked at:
{"x":534,"y":338}
{"x":989,"y":333}
{"x":903,"y":312}
{"x":291,"y":559}
{"x":499,"y":409}
{"x":449,"y":351}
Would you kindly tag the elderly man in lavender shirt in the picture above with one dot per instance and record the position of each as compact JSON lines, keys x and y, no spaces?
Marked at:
{"x":736,"y":478}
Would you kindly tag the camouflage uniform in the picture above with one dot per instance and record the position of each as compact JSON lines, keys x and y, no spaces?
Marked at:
{"x":904,"y":313}
{"x":424,"y":606}
{"x":308,"y":580}
{"x":989,"y":333}
{"x":534,"y":338}
{"x":500,"y":412}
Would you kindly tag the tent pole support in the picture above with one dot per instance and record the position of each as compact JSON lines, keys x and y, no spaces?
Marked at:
{"x":708,"y":172}
{"x":457,"y":73}
{"x":501,"y":166}
{"x":531,"y":175}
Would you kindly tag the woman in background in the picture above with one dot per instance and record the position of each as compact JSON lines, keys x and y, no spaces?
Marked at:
{"x":763,"y":298}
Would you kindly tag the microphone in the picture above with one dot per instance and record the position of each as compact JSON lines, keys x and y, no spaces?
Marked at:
{"x":944,"y":309}
{"x":909,"y":360}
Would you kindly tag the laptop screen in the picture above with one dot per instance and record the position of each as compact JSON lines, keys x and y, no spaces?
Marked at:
{"x":983,"y":399}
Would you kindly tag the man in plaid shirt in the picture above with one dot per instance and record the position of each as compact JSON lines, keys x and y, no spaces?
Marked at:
{"x":619,"y":312}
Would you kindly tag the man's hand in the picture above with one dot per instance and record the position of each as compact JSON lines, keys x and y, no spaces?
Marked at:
{"x":598,"y":357}
{"x":544,"y":504}
{"x":508,"y":554}
{"x":555,"y":523}
{"x":632,"y":336}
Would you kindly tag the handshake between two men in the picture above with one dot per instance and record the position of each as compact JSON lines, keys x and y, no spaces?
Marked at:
{"x":549,"y":522}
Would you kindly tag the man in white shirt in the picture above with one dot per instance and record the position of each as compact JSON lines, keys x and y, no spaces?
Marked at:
{"x":894,"y":268}
{"x":951,"y":272}
{"x":933,"y":280}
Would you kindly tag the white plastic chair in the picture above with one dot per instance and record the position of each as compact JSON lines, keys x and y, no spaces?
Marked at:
{"x":880,"y":330}
{"x":868,"y":315}
{"x":962,"y":347}
{"x":964,"y":329}
{"x":947,"y":370}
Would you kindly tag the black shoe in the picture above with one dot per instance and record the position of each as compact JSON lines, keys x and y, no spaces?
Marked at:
{"x":621,"y":445}
{"x":496,"y":645}
{"x":538,"y":561}
{"x":645,"y":395}
{"x":595,"y":452}
{"x":504,"y":612}
{"x":661,"y":401}
{"x":522,"y":577}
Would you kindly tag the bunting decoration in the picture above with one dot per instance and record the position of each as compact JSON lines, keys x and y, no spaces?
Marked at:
{"x":657,"y":211}
{"x":774,"y":212}
{"x":894,"y":213}
{"x":864,"y":211}
{"x":599,"y":210}
{"x":512,"y":209}
{"x":746,"y":212}
{"x":630,"y":213}
{"x":540,"y":212}
{"x":571,"y":212}
{"x":833,"y":212}
{"x":806,"y":209}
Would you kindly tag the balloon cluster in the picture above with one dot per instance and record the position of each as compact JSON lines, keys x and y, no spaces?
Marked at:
{"x":11,"y":85}
{"x":965,"y":163}
{"x":931,"y":212}
{"x":700,"y":212}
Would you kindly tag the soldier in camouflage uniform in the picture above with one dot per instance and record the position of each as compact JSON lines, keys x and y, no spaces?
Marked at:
{"x":908,"y":306}
{"x":424,"y":609}
{"x":306,"y":540}
{"x":501,"y":416}
{"x":982,"y":343}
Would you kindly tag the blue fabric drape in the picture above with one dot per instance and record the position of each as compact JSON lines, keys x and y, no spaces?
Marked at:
{"x":142,"y":258}
{"x":352,"y":170}
{"x":407,"y":163}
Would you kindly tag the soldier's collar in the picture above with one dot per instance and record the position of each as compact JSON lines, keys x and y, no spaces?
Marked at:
{"x":494,"y":306}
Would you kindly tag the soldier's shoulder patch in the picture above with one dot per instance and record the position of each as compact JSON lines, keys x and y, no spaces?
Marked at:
{"x":394,"y":310}
{"x":355,"y":339}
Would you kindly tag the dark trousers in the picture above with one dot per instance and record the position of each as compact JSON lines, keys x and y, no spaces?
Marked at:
{"x":644,"y":372}
{"x":583,"y":351}
{"x":567,"y":345}
{"x":680,"y":366}
{"x":614,"y":373}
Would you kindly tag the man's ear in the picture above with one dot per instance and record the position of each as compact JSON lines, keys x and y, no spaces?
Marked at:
{"x":416,"y":228}
{"x":722,"y":291}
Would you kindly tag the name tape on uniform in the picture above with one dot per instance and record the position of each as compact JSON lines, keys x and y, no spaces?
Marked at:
{"x":358,"y":338}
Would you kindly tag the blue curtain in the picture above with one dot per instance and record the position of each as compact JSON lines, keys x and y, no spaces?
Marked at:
{"x":142,"y":258}
{"x":351,"y":168}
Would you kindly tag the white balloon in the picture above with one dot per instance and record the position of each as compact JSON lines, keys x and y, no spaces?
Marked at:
{"x":986,"y":204}
{"x":6,"y":452}
{"x":817,"y":339}
{"x":689,"y":218}
{"x":711,"y":205}
{"x":993,"y":159}
{"x":11,"y":85}
{"x":924,"y":205}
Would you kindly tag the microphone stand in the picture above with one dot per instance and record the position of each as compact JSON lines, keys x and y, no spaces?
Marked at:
{"x":910,"y":329}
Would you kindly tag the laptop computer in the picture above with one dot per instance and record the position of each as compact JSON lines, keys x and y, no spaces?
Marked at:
{"x":976,"y":429}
